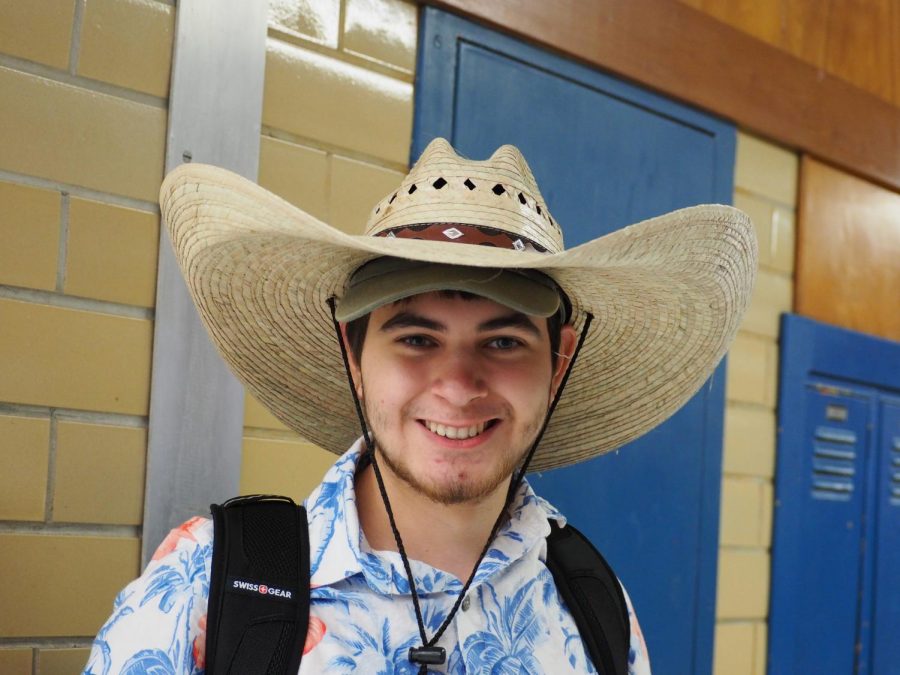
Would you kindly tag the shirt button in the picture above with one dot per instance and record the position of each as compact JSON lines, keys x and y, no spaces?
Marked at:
{"x":465,"y":604}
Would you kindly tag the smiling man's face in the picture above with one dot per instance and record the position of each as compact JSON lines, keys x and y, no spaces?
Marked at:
{"x":455,"y":390}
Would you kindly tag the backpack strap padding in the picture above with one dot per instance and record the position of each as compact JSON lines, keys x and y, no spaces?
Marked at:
{"x":594,"y":597}
{"x":259,"y":587}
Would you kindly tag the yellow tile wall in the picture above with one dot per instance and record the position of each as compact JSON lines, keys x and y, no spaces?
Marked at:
{"x":256,"y":416}
{"x":62,"y":661}
{"x":16,"y":661}
{"x":740,"y":648}
{"x":356,"y":187}
{"x":95,"y":459}
{"x":315,"y":21}
{"x":734,"y":648}
{"x":748,"y":369}
{"x":128,"y":43}
{"x":71,"y":599}
{"x":29,"y":236}
{"x":82,"y":130}
{"x":330,"y":101}
{"x":37,"y":31}
{"x":111,"y":253}
{"x":743,"y":591}
{"x":337,"y":126}
{"x":749,"y":441}
{"x":741,"y":516}
{"x":69,"y":358}
{"x":285,"y":466}
{"x":383,"y":31}
{"x":766,"y":170}
{"x":60,"y":132}
{"x":24,"y":456}
{"x":295,"y":172}
{"x":765,"y":187}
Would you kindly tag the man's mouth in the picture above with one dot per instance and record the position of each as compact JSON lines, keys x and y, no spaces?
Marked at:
{"x":456,"y":432}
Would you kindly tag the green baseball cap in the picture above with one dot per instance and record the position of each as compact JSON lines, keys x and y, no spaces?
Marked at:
{"x":389,"y":279}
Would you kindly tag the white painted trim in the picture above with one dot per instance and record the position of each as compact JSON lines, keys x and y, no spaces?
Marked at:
{"x":196,"y":404}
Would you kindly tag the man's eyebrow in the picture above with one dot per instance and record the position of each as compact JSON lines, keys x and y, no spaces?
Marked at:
{"x":412,"y":320}
{"x":514,"y":320}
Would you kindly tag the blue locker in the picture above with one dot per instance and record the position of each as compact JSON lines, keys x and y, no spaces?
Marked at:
{"x":605,"y":154}
{"x":835,"y":598}
{"x":816,"y":584}
{"x":886,"y":545}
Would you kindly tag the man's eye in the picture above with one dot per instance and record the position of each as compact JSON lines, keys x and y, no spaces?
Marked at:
{"x":504,"y":343}
{"x":416,"y":341}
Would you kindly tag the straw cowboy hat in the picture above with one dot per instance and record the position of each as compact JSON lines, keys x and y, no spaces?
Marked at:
{"x":666,"y":294}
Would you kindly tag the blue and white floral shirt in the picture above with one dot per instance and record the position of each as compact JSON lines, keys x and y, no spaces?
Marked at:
{"x":361,"y":617}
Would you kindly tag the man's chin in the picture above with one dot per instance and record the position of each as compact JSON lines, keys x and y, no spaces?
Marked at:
{"x":457,"y":494}
{"x":449,"y":491}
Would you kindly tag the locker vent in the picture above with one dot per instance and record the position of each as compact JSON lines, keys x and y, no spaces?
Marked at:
{"x":834,"y":464}
{"x":895,"y":471}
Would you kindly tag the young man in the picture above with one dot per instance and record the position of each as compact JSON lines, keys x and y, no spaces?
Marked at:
{"x":446,"y":336}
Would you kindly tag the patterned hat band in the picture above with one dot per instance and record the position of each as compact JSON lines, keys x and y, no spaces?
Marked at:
{"x":480,"y":235}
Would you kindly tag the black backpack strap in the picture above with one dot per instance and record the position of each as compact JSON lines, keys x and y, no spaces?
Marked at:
{"x":259,"y":587}
{"x":594,"y":597}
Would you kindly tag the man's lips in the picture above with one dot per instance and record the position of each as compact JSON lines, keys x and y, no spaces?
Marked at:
{"x":459,"y":432}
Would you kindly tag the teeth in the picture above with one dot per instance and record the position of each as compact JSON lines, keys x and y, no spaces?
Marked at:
{"x":458,"y":433}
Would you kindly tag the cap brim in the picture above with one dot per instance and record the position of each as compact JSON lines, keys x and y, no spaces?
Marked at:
{"x":387,"y":280}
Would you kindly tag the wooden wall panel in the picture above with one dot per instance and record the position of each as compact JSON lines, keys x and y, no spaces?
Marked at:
{"x":689,"y":55}
{"x":804,"y":37}
{"x":858,"y":44}
{"x":763,"y":19}
{"x":895,"y":49}
{"x":850,"y":39}
{"x":848,"y":251}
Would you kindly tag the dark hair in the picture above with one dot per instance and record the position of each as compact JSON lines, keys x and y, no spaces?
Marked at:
{"x":356,"y":329}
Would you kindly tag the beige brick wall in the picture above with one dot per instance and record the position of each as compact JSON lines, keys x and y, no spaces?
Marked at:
{"x":765,"y":187}
{"x":337,"y":125}
{"x":82,"y":127}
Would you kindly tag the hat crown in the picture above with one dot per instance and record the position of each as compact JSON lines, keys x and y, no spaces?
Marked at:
{"x":500,"y":193}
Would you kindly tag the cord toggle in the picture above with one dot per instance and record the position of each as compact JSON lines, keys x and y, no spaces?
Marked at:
{"x":432,"y":656}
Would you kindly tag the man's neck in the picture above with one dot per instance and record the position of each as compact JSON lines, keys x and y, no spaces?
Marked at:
{"x":447,"y":537}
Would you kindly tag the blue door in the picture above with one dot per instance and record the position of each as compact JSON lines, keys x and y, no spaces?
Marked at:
{"x":605,"y":154}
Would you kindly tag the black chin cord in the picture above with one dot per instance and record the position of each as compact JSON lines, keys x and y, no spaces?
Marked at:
{"x":429,"y":653}
{"x":514,"y":487}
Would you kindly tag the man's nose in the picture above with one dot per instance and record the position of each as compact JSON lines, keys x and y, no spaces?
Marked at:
{"x":459,"y":379}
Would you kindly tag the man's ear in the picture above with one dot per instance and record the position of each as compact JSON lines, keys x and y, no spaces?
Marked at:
{"x":351,"y":359}
{"x":568,"y":338}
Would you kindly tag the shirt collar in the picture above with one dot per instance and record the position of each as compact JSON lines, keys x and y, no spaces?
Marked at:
{"x":339,"y":550}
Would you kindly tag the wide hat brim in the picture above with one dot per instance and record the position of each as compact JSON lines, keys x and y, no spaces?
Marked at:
{"x":666,"y":294}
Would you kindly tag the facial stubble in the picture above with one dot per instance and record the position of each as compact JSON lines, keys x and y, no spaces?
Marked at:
{"x":455,"y":491}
